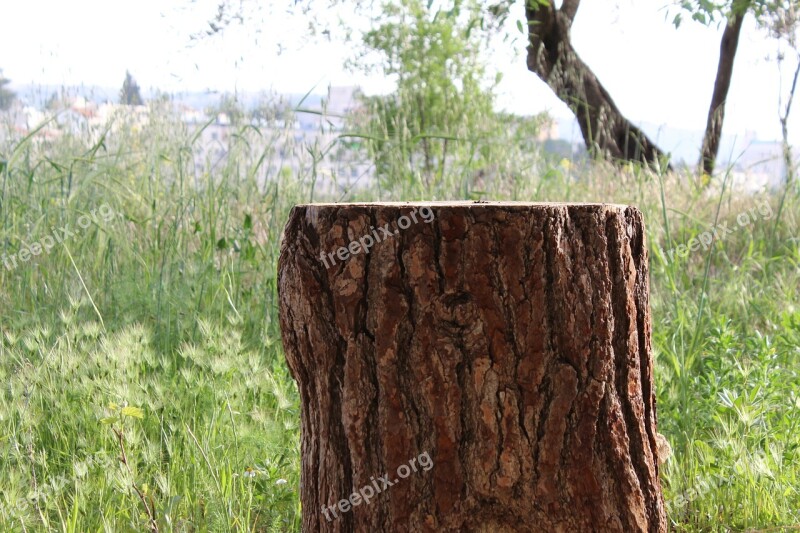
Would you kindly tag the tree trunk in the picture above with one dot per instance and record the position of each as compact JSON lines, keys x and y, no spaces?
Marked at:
{"x":509,"y":343}
{"x":716,"y":111}
{"x":605,"y":130}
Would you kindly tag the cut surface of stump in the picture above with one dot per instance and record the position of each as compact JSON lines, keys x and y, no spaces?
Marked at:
{"x":479,"y":366}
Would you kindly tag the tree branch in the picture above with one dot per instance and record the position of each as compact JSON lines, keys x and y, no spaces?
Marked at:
{"x":791,"y":94}
{"x":569,"y":8}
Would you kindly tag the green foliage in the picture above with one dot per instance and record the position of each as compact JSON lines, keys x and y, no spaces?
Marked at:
{"x":7,"y":96}
{"x":129,"y":94}
{"x":440,"y":119}
{"x":769,"y":13}
{"x":153,"y":328}
{"x":726,"y":341}
{"x":230,"y":107}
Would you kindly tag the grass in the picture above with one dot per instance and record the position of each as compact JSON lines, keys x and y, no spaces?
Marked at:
{"x":155,"y":331}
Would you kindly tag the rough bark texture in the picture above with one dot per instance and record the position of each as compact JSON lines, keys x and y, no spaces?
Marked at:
{"x":551,"y":56}
{"x":509,"y":341}
{"x":716,"y":111}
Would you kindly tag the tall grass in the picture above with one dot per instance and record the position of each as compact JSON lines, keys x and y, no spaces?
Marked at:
{"x":160,"y":325}
{"x":168,"y":307}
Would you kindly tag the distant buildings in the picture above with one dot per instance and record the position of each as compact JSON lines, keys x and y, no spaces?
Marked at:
{"x":760,"y":165}
{"x":308,"y":140}
{"x":305,"y":142}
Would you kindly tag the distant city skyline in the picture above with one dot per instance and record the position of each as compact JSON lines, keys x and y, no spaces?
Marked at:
{"x":657,"y":75}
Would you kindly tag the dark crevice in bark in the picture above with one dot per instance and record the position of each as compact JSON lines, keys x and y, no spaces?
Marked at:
{"x":605,"y":445}
{"x":542,"y":388}
{"x":626,"y":358}
{"x":410,"y":326}
{"x":467,"y":434}
{"x":364,"y":304}
{"x":642,"y":320}
{"x":526,"y":275}
{"x":553,"y":345}
{"x":569,"y":271}
{"x":621,"y":377}
{"x":339,"y":433}
{"x":371,"y":365}
{"x":511,"y":387}
{"x":437,"y":254}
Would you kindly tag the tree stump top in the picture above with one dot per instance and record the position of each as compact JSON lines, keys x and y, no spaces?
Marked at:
{"x":464,"y":203}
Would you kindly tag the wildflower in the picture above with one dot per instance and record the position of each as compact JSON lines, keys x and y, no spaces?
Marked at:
{"x":281,"y":481}
{"x":249,"y":472}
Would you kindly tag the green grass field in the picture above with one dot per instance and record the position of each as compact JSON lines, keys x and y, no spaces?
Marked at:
{"x":153,"y":332}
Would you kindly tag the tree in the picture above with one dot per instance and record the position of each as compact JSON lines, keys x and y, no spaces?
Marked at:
{"x":604,"y":129}
{"x":551,"y":56}
{"x":783,"y":27}
{"x":777,"y":17}
{"x":506,"y":344}
{"x":707,"y":12}
{"x":782,"y":24}
{"x":129,"y":94}
{"x":440,"y":114}
{"x":7,"y":96}
{"x":716,"y":111}
{"x":230,"y":106}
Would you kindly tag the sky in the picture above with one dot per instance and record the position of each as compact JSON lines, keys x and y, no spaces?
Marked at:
{"x":657,"y":74}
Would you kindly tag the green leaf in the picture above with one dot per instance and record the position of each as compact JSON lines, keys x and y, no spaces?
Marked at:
{"x":248,"y":221}
{"x":519,"y":26}
{"x":132,"y":411}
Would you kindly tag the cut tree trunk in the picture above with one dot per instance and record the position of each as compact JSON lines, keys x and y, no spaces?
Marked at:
{"x":551,"y":56}
{"x":507,"y":342}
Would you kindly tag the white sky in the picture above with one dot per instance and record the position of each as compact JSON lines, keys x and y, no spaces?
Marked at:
{"x":655,"y":73}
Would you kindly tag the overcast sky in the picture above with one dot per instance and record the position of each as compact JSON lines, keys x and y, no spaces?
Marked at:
{"x":656,"y":74}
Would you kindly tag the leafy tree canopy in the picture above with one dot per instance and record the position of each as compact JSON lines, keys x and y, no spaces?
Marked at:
{"x":7,"y":96}
{"x":130,"y":94}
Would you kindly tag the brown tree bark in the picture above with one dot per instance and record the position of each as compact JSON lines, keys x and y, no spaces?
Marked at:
{"x":510,"y":342}
{"x":716,"y":111}
{"x":606,"y":132}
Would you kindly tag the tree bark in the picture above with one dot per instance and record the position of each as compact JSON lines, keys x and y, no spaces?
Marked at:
{"x":606,"y":132}
{"x":510,"y":342}
{"x":716,"y":111}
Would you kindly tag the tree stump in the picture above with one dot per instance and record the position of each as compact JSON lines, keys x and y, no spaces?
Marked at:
{"x":472,"y":367}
